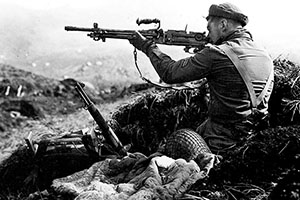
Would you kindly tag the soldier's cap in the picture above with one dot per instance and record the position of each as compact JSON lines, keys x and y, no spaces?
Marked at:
{"x":229,"y":11}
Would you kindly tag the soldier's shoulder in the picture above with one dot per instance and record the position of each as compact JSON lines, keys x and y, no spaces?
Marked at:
{"x":211,"y":48}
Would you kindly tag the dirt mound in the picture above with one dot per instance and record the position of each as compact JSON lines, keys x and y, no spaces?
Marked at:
{"x":155,"y":115}
{"x":285,"y":99}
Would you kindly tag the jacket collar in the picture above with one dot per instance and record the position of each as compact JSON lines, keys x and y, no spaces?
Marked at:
{"x":238,"y":33}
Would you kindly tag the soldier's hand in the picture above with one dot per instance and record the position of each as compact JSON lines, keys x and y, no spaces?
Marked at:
{"x":140,"y":42}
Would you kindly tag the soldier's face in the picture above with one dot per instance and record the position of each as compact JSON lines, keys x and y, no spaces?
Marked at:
{"x":214,"y":29}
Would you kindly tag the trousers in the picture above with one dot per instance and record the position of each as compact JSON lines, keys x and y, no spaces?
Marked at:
{"x":222,"y":137}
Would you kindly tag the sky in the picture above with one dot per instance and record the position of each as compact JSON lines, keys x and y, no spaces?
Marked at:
{"x":36,"y":27}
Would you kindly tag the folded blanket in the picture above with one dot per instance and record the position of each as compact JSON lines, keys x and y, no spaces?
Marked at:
{"x":132,"y":177}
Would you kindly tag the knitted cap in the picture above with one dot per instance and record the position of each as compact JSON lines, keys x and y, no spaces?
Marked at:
{"x":229,"y":11}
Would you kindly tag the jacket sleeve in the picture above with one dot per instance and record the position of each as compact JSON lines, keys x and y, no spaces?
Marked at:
{"x":184,"y":70}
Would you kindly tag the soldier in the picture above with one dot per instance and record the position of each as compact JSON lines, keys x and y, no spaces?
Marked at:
{"x":239,"y":73}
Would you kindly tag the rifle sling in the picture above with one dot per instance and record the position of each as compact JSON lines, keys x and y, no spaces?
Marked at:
{"x":167,"y":86}
{"x":246,"y":77}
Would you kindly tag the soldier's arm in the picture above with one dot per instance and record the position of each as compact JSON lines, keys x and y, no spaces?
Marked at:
{"x":184,"y":70}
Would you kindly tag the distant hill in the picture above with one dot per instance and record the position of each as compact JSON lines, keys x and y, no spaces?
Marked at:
{"x":24,"y":94}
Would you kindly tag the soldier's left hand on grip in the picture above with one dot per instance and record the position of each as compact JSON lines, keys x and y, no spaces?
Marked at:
{"x":140,"y":42}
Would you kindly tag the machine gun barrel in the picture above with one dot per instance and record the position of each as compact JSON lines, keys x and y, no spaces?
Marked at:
{"x":98,"y":33}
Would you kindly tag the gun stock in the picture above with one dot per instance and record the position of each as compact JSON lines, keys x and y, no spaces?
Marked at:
{"x":107,"y":132}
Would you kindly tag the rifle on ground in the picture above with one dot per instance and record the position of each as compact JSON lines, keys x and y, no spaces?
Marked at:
{"x":108,"y":134}
{"x":190,"y":40}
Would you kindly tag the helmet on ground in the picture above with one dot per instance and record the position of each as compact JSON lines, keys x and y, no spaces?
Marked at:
{"x":186,"y":144}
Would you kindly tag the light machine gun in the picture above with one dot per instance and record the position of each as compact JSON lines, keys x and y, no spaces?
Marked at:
{"x":104,"y":129}
{"x":194,"y":41}
{"x":91,"y":144}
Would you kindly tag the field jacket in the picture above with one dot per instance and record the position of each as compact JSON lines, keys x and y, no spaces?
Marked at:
{"x":229,"y":97}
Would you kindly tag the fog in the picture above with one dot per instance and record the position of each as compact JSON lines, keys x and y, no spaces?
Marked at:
{"x":34,"y":29}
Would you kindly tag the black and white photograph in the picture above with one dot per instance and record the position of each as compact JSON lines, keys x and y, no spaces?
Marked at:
{"x":149,"y":99}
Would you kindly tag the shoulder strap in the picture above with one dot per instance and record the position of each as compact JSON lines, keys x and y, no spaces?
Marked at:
{"x":264,"y":91}
{"x":245,"y":75}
